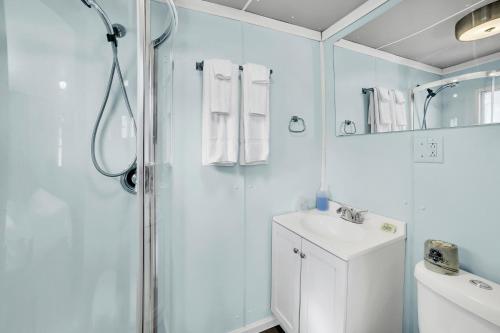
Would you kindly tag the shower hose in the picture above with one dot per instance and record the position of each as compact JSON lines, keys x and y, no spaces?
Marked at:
{"x":115,"y":70}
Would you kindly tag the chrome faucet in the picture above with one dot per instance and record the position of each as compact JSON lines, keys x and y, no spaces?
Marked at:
{"x":351,"y":214}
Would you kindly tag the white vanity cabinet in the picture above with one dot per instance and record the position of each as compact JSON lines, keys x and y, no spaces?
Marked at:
{"x":322,"y":291}
{"x":308,"y":285}
{"x":332,"y":276}
{"x":286,"y":264}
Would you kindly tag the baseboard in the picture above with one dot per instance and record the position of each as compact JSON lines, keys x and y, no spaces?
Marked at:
{"x":258,"y":326}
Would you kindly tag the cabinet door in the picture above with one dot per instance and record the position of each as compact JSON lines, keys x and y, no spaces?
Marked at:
{"x":285,"y":297}
{"x":324,"y":291}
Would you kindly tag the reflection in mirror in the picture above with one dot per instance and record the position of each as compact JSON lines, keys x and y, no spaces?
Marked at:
{"x":423,"y":64}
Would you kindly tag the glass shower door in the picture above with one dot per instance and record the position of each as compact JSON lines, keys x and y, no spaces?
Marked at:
{"x":69,"y":243}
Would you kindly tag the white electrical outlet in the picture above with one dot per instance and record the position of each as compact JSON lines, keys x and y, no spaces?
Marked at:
{"x":428,"y":149}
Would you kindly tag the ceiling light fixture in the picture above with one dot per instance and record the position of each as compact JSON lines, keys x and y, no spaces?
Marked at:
{"x":481,"y":23}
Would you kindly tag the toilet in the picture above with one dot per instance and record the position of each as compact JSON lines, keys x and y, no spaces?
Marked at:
{"x":464,"y":303}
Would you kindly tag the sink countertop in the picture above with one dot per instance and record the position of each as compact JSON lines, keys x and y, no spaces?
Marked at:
{"x":344,"y":239}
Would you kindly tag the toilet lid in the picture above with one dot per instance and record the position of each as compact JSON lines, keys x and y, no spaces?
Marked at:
{"x":466,"y":290}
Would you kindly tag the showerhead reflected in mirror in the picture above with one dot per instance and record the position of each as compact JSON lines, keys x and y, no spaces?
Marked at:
{"x":164,"y":21}
{"x":418,"y":67}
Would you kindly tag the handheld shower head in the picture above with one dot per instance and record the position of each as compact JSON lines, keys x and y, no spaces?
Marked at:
{"x":102,"y":14}
{"x":430,"y":95}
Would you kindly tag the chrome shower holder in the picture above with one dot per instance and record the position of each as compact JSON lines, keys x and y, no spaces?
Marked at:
{"x":119,"y":30}
{"x":129,"y":180}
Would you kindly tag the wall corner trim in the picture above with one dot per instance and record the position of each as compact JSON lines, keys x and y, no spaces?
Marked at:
{"x":472,"y":63}
{"x":352,"y":17}
{"x":241,"y":15}
{"x":387,"y":56}
{"x":323,"y":115}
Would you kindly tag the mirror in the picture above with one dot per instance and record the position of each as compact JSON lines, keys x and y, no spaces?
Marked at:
{"x":423,"y":64}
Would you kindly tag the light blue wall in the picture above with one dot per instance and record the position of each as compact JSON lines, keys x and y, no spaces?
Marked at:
{"x":221,"y":216}
{"x":454,"y":201}
{"x":221,"y":225}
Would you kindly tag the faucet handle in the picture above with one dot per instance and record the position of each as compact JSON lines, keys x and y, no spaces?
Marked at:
{"x":351,"y":214}
{"x":346,"y":213}
{"x":359,"y":216}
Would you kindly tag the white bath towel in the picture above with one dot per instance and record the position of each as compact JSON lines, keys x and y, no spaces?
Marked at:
{"x":384,"y":114}
{"x":220,"y":130}
{"x":255,"y":115}
{"x":399,"y":109}
{"x":219,"y":71}
{"x":380,"y":116}
{"x":259,"y":91}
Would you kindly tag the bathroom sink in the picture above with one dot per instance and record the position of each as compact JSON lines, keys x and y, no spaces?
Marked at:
{"x":344,"y":239}
{"x":331,"y":227}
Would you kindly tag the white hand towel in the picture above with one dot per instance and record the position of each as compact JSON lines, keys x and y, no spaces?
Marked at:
{"x":255,"y":117}
{"x":383,"y":111}
{"x":399,"y":107}
{"x":220,"y":88}
{"x":258,"y":91}
{"x":385,"y":99}
{"x":399,"y":97}
{"x":220,"y":130}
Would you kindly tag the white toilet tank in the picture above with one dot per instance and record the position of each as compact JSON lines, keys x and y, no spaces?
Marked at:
{"x":453,"y":304}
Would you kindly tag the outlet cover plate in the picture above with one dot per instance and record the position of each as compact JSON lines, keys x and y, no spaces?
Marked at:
{"x":428,"y":149}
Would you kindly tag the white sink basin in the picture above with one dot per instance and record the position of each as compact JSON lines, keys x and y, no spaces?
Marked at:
{"x":344,"y":239}
{"x":327,"y":227}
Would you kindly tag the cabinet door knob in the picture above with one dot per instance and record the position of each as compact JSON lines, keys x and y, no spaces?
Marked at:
{"x":295,"y":250}
{"x":302,"y":255}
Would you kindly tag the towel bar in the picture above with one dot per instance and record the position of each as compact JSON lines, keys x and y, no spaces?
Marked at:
{"x":199,"y":67}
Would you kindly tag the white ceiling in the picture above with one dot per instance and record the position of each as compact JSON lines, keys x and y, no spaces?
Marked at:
{"x":436,"y":46}
{"x":312,"y":14}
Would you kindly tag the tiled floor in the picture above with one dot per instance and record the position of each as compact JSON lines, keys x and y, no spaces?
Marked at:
{"x":276,"y":329}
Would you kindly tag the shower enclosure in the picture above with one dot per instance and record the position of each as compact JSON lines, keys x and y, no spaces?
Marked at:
{"x":78,"y":253}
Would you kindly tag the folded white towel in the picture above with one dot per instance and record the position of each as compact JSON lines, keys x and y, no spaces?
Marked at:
{"x":384,"y":106}
{"x":220,"y":130}
{"x":399,"y":97}
{"x":222,"y":68}
{"x":387,"y":110}
{"x":258,"y":91}
{"x":255,"y":118}
{"x":400,"y":114}
{"x":219,"y":71}
{"x":380,"y":112}
{"x":384,"y":94}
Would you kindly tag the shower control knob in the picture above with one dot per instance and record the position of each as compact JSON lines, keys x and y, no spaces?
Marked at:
{"x":295,"y":250}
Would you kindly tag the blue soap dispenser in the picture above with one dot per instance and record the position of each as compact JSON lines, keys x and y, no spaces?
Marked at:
{"x":322,"y":200}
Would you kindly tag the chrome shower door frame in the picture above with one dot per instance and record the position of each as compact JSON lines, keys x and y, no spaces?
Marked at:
{"x":147,"y":277}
